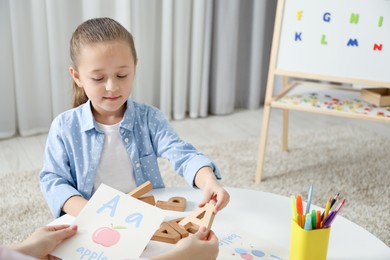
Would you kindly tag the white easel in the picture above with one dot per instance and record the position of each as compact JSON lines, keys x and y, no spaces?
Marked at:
{"x":307,"y":77}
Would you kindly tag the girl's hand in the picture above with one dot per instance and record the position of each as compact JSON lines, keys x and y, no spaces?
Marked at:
{"x":215,"y":193}
{"x":212,"y":190}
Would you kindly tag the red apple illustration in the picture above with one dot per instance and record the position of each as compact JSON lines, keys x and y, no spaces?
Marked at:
{"x":106,"y":236}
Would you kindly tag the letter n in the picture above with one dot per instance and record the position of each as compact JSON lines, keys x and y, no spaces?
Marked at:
{"x":354,"y":18}
{"x":378,"y":47}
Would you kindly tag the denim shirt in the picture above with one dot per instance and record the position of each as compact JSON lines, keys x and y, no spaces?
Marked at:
{"x":74,"y":146}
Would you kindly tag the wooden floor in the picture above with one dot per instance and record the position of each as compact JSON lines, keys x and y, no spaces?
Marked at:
{"x":26,"y":153}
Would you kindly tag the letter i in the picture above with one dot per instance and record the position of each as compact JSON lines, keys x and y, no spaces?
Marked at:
{"x":380,"y":22}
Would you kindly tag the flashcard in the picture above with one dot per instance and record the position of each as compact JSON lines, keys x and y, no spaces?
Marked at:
{"x":112,"y":225}
{"x":237,"y":245}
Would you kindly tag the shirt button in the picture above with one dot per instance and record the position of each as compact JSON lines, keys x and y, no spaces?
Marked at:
{"x":137,"y":165}
{"x":126,"y":140}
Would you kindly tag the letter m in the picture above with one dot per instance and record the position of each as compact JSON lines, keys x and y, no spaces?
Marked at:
{"x":352,"y":42}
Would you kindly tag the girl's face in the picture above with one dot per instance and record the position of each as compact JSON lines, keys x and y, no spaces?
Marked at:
{"x":106,"y":72}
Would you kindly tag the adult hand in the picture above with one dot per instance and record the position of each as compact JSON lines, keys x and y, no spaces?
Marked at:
{"x":203,"y":245}
{"x":44,"y":240}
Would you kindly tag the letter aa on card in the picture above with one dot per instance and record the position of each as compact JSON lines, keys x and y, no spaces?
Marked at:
{"x":112,"y":225}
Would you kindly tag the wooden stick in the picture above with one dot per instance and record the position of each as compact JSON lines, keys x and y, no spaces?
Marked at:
{"x":141,"y":190}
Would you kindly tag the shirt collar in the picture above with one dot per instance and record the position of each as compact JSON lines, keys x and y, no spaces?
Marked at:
{"x":87,"y":117}
{"x":129,"y":116}
{"x":89,"y":121}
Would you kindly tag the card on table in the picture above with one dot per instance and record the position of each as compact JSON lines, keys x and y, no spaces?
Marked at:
{"x":238,"y":245}
{"x":112,"y":225}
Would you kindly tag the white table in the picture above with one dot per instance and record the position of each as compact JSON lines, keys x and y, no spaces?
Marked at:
{"x":265,"y":219}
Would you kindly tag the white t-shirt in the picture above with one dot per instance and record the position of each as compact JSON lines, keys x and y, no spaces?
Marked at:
{"x":115,"y":168}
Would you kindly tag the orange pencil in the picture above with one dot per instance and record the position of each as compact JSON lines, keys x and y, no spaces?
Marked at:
{"x":318,"y":219}
{"x":300,"y":210}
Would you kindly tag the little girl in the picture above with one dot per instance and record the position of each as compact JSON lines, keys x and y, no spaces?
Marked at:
{"x":107,"y":137}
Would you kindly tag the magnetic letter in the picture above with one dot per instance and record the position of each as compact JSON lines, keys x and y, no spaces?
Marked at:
{"x":298,"y":36}
{"x":380,"y":22}
{"x":377,"y":47}
{"x":326,"y":17}
{"x":354,"y":18}
{"x":299,"y":15}
{"x":112,"y":204}
{"x":323,"y":39}
{"x":352,"y":42}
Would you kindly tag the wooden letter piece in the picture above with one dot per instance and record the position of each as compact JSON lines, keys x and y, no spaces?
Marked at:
{"x":174,"y":223}
{"x":166,"y":234}
{"x":141,"y":190}
{"x":148,"y":199}
{"x":174,"y":203}
{"x":201,"y":217}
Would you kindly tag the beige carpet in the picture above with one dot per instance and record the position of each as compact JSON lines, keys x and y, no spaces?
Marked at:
{"x":345,"y":159}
